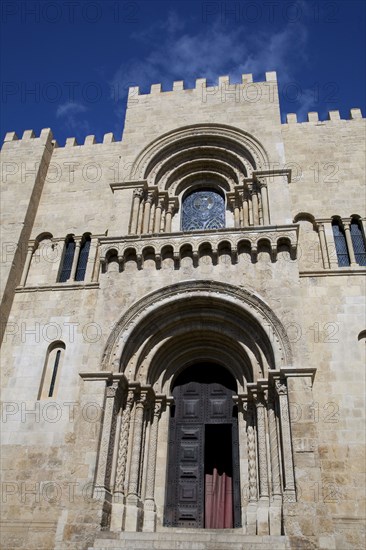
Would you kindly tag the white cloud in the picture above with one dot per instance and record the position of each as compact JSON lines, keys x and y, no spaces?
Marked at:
{"x":70,"y":108}
{"x":69,"y":111}
{"x":212,"y":52}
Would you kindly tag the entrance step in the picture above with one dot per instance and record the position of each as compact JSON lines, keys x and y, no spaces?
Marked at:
{"x":188,"y":539}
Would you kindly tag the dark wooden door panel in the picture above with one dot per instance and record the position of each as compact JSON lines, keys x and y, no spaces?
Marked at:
{"x":189,"y":475}
{"x":197,"y":404}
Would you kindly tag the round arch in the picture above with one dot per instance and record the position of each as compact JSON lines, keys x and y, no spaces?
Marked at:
{"x":171,"y":328}
{"x":242,"y":151}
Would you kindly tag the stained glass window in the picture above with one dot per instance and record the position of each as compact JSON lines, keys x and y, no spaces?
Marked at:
{"x":203,"y":209}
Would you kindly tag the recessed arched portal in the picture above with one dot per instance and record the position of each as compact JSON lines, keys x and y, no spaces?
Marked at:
{"x":196,"y":335}
{"x":203,"y":487}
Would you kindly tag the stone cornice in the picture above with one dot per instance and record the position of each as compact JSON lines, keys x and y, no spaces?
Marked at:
{"x":341,"y":271}
{"x":58,"y":286}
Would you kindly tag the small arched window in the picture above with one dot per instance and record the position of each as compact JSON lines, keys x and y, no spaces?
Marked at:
{"x":67,"y":260}
{"x":51,"y":371}
{"x":83,"y":259}
{"x":203,"y":209}
{"x":340,"y":244}
{"x":358,"y":241}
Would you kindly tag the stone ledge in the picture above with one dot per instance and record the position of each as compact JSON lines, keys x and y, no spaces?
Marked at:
{"x":334,"y":272}
{"x":188,"y":539}
{"x":57,"y":286}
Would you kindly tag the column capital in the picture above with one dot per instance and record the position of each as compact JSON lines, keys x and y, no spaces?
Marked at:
{"x":150,"y":196}
{"x":138,"y":193}
{"x":286,"y":372}
{"x":173,"y":205}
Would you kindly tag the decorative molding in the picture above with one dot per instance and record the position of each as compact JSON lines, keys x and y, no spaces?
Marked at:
{"x":341,"y":271}
{"x":58,"y":286}
{"x":230,"y":137}
{"x":123,"y":443}
{"x":253,"y":236}
{"x":141,"y":184}
{"x":248,"y":301}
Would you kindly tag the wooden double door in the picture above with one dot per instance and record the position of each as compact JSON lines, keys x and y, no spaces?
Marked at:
{"x":203,"y":487}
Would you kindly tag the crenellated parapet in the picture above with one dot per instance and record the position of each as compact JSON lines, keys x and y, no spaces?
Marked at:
{"x":29,"y":138}
{"x":91,"y":140}
{"x":333,"y":116}
{"x":223,"y":84}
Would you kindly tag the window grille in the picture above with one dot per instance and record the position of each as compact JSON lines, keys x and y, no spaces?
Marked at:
{"x":340,"y":245}
{"x":203,"y":209}
{"x":67,"y":261}
{"x":358,"y":242}
{"x":83,"y":260}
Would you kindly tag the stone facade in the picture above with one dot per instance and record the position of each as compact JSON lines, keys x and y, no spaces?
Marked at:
{"x":88,"y":364}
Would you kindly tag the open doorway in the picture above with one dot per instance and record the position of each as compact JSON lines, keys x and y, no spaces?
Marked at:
{"x":203,"y":488}
{"x":218,"y":471}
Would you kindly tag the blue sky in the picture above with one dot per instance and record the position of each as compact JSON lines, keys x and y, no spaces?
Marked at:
{"x":67,"y":64}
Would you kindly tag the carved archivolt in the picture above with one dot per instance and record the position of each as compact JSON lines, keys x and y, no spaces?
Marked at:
{"x":241,"y":317}
{"x":224,"y":137}
{"x":217,"y":156}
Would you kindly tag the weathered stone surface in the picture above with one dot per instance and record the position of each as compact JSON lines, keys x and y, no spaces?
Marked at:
{"x":264,"y":297}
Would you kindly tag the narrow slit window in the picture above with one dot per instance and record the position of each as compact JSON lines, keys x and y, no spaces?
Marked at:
{"x":340,"y":244}
{"x":67,"y":261}
{"x":51,"y":371}
{"x":358,"y":242}
{"x":54,"y":373}
{"x":83,"y":260}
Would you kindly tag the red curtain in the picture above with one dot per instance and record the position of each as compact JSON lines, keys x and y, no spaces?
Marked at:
{"x":218,"y":500}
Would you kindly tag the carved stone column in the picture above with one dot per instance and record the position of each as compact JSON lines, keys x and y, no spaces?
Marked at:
{"x":262,"y":512}
{"x":133,"y":509}
{"x":351,"y":252}
{"x":255,"y":206}
{"x":262,"y":447}
{"x":117,"y":520}
{"x":149,"y":504}
{"x":102,"y":484}
{"x":275,"y":509}
{"x":137,"y":196}
{"x":264,"y":197}
{"x":236,"y":213}
{"x":90,"y":275}
{"x":147,"y":209}
{"x":332,"y":253}
{"x":273,"y":443}
{"x":323,"y":246}
{"x":288,"y":465}
{"x":245,"y":210}
{"x":250,"y":204}
{"x":252,"y":470}
{"x":75,"y":259}
{"x":152,"y":217}
{"x":27,"y":265}
{"x":168,"y":216}
{"x":158,"y":210}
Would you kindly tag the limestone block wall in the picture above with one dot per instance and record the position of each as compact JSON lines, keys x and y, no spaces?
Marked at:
{"x":250,"y":106}
{"x":333,"y":310}
{"x":328,"y":164}
{"x":52,"y":445}
{"x":24,"y":167}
